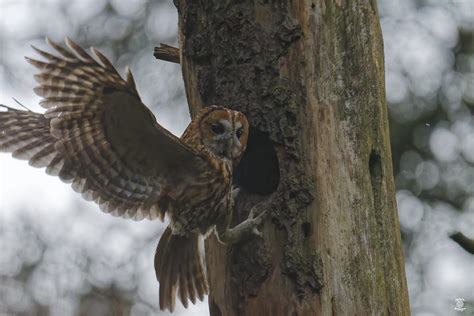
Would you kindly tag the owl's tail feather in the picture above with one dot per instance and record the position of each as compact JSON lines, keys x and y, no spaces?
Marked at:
{"x":179,"y":268}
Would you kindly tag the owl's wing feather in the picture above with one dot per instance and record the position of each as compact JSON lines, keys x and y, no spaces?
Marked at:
{"x":97,"y":134}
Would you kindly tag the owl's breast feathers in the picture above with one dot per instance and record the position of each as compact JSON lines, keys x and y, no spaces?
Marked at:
{"x":197,"y":203}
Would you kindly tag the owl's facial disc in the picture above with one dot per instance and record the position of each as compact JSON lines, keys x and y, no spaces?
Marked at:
{"x":237,"y":146}
{"x":224,"y":132}
{"x":226,"y":143}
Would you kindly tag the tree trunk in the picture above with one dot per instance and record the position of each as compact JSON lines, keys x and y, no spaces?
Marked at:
{"x":309,"y":75}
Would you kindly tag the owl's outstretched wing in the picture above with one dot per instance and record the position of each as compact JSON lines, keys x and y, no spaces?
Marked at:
{"x":97,"y":134}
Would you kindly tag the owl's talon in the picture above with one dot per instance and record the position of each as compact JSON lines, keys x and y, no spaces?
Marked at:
{"x":246,"y":229}
{"x":258,"y":213}
{"x":235,"y":192}
{"x":257,"y":216}
{"x":257,"y":233}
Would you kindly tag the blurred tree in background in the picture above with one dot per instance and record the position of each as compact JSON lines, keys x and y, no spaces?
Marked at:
{"x":60,"y":255}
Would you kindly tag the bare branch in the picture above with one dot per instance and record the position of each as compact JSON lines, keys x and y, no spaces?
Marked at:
{"x":466,"y":243}
{"x":167,"y":52}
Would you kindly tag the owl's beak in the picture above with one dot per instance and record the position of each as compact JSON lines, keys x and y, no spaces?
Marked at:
{"x":236,"y":148}
{"x":232,"y":148}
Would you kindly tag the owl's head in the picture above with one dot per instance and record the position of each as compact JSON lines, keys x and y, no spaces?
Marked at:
{"x":222,"y":131}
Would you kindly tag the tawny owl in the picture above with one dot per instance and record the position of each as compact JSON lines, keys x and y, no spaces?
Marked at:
{"x":98,"y":135}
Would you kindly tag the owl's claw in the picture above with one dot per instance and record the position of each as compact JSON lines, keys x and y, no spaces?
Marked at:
{"x":258,"y":213}
{"x":235,"y":192}
{"x":257,"y":216}
{"x":249,"y":227}
{"x":257,"y":233}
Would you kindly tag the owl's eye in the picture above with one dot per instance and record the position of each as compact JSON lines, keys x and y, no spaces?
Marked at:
{"x":239,"y":132}
{"x":217,"y":128}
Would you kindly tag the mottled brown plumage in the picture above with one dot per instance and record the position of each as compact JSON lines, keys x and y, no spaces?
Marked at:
{"x":98,"y":135}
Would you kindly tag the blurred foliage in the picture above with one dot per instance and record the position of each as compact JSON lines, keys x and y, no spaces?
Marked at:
{"x":429,"y":62}
{"x":85,"y":262}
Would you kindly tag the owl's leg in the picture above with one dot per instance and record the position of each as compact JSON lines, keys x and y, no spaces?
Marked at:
{"x":243,"y":230}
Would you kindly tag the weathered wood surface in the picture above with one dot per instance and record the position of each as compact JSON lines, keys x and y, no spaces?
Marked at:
{"x":310,"y":77}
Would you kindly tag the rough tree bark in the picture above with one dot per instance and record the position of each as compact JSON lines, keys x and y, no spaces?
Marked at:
{"x":310,"y":77}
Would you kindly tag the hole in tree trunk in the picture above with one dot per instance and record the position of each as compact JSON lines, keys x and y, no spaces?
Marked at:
{"x":258,"y":171}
